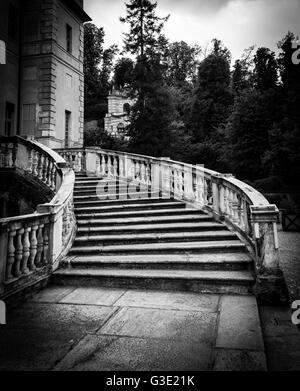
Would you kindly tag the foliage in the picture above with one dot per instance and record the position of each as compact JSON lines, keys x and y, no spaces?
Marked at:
{"x":123,"y":72}
{"x":213,"y":98}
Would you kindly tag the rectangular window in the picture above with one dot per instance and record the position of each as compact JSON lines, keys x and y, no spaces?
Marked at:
{"x":13,"y":21}
{"x":67,"y":128}
{"x":69,"y":38}
{"x":29,"y":119}
{"x":9,"y":119}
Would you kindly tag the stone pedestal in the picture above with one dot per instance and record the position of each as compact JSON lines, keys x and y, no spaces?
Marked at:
{"x":270,"y":286}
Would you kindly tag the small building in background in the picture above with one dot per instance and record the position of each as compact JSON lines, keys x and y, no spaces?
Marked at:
{"x":119,"y":108}
{"x":42,"y":83}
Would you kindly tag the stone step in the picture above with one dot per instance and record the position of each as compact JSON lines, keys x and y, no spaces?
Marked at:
{"x":168,"y":213}
{"x":108,"y":185}
{"x":123,"y":199}
{"x":239,"y":282}
{"x":213,"y":261}
{"x":133,"y":207}
{"x":116,"y":196}
{"x":225,"y":246}
{"x":162,"y":237}
{"x":94,"y":180}
{"x":101,"y":220}
{"x":92,"y":229}
{"x":110,"y":189}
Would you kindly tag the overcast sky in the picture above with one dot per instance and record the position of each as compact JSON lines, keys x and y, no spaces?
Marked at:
{"x":238,"y":23}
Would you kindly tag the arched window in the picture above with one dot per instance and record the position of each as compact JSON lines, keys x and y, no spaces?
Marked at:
{"x":126,"y":108}
{"x":121,"y":127}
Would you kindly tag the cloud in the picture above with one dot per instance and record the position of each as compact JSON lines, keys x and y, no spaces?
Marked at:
{"x":238,"y":23}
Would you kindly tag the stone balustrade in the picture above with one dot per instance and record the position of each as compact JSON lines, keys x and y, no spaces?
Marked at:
{"x":32,"y":245}
{"x":238,"y":205}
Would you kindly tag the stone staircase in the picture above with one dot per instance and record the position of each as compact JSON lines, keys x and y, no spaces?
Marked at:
{"x":127,"y":239}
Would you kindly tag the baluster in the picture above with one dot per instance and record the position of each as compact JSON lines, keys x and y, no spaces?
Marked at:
{"x":106,"y":164}
{"x":230,"y":204}
{"x":14,"y":154}
{"x":112,"y":165}
{"x":30,"y":161}
{"x":101,"y":164}
{"x":142,"y":172}
{"x":45,"y":245}
{"x":180,"y":183}
{"x":53,"y":177}
{"x":40,"y":246}
{"x":49,"y":171}
{"x":146,"y":173}
{"x":97,"y":167}
{"x":26,"y":251}
{"x":45,"y":169}
{"x":115,"y":166}
{"x":33,"y":248}
{"x":241,"y":214}
{"x":11,"y":255}
{"x":35,"y":163}
{"x":40,"y":166}
{"x":225,"y":200}
{"x":19,"y":253}
{"x":121,"y":167}
{"x":79,"y":168}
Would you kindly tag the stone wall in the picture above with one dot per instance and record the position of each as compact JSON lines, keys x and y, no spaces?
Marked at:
{"x":50,"y":80}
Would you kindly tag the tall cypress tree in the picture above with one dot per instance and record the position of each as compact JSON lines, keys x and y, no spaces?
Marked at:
{"x":213,"y":98}
{"x":153,"y":112}
{"x":142,"y":38}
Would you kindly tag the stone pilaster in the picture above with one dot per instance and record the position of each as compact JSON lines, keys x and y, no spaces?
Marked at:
{"x":270,"y":285}
{"x":48,"y":70}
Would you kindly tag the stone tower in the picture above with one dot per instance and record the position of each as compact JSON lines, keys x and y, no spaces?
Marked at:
{"x":119,"y":107}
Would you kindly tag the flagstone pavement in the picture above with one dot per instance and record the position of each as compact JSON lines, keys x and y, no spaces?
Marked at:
{"x":103,"y":329}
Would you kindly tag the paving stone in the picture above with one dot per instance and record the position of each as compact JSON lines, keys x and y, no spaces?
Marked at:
{"x":169,"y":300}
{"x":239,"y":324}
{"x":33,"y":350}
{"x":276,"y":321}
{"x":157,"y":323}
{"x":52,"y":294}
{"x":239,"y":360}
{"x":110,"y":353}
{"x":72,"y":318}
{"x":283,"y":352}
{"x":93,"y":295}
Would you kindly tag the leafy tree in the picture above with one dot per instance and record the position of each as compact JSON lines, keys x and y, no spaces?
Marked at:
{"x":284,"y":154}
{"x":290,"y":76}
{"x":152,"y":115}
{"x":145,"y":26}
{"x":182,"y":63}
{"x":213,"y":98}
{"x":123,"y":72}
{"x":98,"y":64}
{"x":242,"y":74}
{"x":248,"y":132}
{"x":93,"y":42}
{"x":142,"y":40}
{"x":107,"y":68}
{"x":265,"y":70}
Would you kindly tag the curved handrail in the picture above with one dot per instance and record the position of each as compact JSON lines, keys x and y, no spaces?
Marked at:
{"x":32,"y":245}
{"x":240,"y":206}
